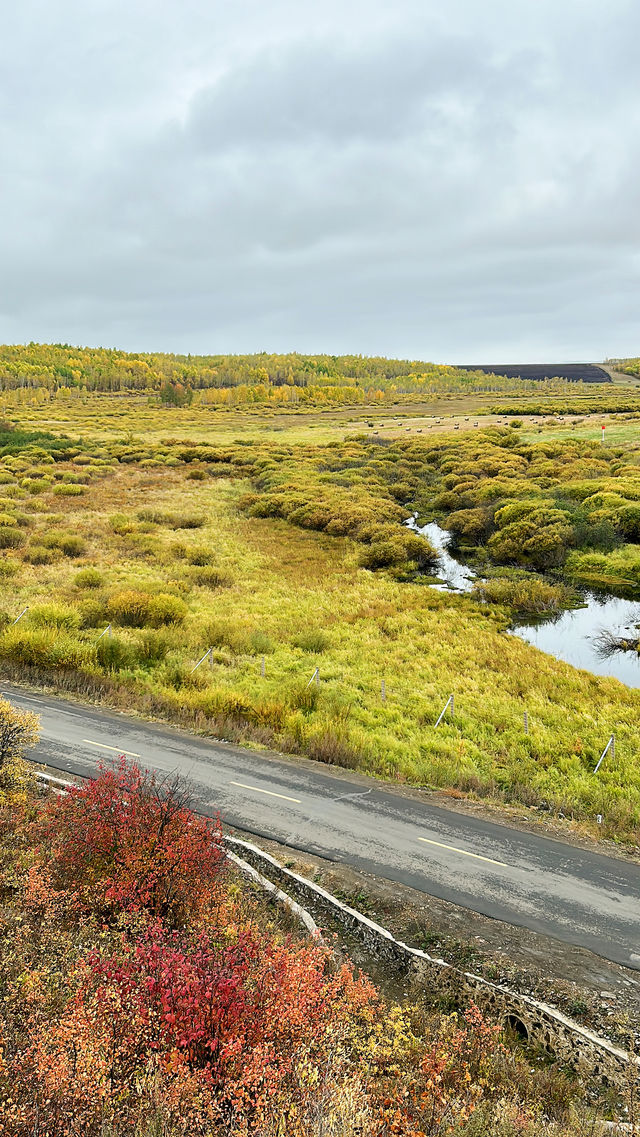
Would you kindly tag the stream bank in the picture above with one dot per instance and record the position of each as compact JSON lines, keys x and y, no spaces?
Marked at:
{"x":595,"y":637}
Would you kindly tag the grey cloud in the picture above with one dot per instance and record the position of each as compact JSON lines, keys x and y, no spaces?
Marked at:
{"x":402,"y":180}
{"x":324,"y":92}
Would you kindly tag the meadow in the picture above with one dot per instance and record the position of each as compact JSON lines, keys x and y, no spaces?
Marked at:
{"x":276,"y":540}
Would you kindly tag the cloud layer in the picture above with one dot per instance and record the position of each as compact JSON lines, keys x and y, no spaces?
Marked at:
{"x":455,"y":183}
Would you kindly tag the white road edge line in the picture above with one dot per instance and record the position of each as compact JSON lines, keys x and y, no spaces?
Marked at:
{"x":117,"y":749}
{"x":453,"y":849}
{"x":257,"y":790}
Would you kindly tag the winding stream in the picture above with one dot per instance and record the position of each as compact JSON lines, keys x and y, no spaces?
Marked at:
{"x":572,"y":635}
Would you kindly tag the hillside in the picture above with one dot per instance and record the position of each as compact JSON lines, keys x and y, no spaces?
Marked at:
{"x":231,"y":379}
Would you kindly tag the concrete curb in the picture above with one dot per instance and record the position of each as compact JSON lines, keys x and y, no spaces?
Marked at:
{"x":296,"y":909}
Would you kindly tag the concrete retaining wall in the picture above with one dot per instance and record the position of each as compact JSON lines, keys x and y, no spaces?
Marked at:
{"x":564,"y":1039}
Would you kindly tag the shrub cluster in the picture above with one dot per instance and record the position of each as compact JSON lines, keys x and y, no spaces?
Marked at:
{"x":145,"y":992}
{"x":133,"y":609}
{"x":527,"y":597}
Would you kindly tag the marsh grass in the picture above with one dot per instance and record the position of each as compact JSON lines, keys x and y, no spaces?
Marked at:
{"x":260,"y":586}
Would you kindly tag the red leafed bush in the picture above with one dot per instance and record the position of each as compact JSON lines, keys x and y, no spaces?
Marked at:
{"x":230,"y":1032}
{"x":127,"y":841}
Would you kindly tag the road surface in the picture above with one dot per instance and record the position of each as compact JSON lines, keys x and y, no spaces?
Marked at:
{"x":570,"y":893}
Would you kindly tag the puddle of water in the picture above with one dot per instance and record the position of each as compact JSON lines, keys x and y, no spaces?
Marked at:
{"x":572,"y":635}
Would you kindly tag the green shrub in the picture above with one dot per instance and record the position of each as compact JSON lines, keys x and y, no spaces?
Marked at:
{"x":211,"y":578}
{"x":312,"y":640}
{"x":531,"y":533}
{"x":76,"y":479}
{"x":312,"y":516}
{"x":73,"y":546}
{"x":402,"y":491}
{"x":68,"y":543}
{"x":38,"y":555}
{"x":153,"y":647}
{"x":166,"y":609}
{"x":35,"y":485}
{"x":153,"y":516}
{"x":129,"y":608}
{"x":229,"y":705}
{"x":469,"y":526}
{"x":93,"y":613}
{"x":420,"y":551}
{"x":133,"y":609}
{"x":591,"y":532}
{"x":218,"y":632}
{"x":45,"y":647}
{"x":524,"y":597}
{"x":68,"y":490}
{"x":8,"y":568}
{"x":189,"y":521}
{"x":177,"y":674}
{"x":88,"y":578}
{"x":383,"y":553}
{"x":54,"y":616}
{"x":330,"y":743}
{"x":114,"y":654}
{"x":260,"y":643}
{"x":629,"y":523}
{"x":200,"y":555}
{"x":304,"y":697}
{"x":122,"y":524}
{"x":10,"y":538}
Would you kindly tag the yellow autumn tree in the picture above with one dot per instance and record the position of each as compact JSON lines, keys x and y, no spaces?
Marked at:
{"x":18,"y":731}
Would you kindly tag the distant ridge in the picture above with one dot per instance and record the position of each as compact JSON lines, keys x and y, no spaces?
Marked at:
{"x":573,"y":372}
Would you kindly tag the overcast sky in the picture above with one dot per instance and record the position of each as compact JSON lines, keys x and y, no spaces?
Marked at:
{"x":452,"y":180}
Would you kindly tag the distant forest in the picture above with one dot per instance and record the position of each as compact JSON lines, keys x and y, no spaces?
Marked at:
{"x":46,"y":369}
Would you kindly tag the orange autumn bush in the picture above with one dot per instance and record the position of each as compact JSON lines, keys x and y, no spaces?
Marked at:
{"x":228,"y":1024}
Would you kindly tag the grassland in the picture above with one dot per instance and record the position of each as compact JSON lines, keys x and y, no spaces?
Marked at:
{"x":148,"y":519}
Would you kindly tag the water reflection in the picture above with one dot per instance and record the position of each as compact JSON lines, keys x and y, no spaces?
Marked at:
{"x":574,"y":636}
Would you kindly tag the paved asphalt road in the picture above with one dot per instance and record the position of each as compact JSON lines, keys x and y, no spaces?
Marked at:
{"x":564,"y":891}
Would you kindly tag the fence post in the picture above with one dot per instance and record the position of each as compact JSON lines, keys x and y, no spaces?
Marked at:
{"x":207,"y":655}
{"x":315,"y":677}
{"x":106,"y":632}
{"x":449,"y":703}
{"x":20,"y":616}
{"x":611,"y":745}
{"x":383,"y":691}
